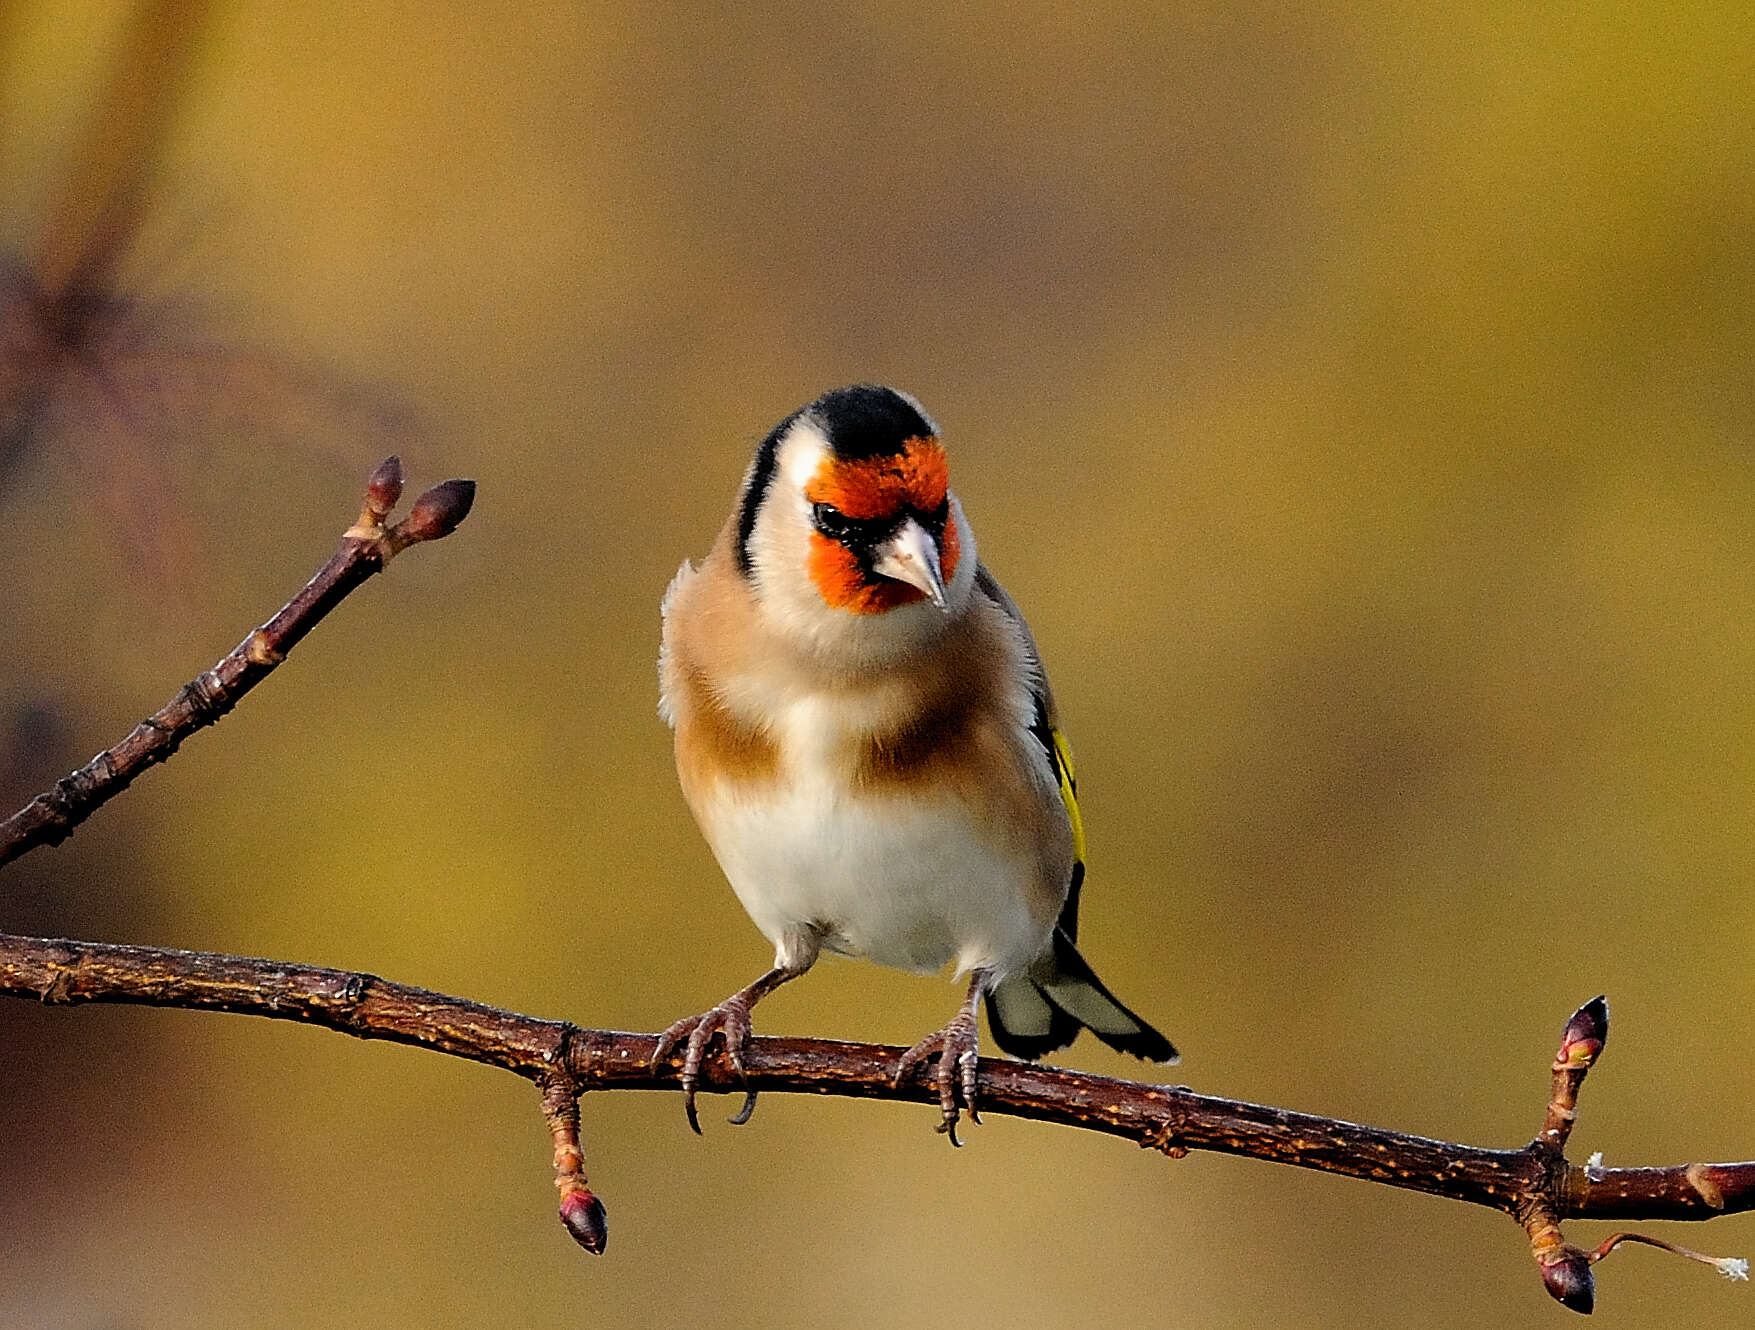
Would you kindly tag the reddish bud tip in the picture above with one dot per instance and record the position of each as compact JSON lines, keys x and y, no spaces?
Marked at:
{"x":436,"y":513}
{"x":1570,"y":1282}
{"x":1585,"y":1034}
{"x":384,"y":489}
{"x":583,"y":1215}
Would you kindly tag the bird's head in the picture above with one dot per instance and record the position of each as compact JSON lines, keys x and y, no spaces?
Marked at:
{"x":848,"y":530}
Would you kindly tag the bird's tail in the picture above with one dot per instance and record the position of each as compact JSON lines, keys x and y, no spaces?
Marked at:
{"x":1043,"y":1009}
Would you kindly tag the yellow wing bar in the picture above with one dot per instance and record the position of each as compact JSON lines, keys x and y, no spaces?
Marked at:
{"x":1069,"y":791}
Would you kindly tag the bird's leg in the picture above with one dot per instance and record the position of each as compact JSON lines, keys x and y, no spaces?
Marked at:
{"x":956,"y":1046}
{"x":730,"y":1018}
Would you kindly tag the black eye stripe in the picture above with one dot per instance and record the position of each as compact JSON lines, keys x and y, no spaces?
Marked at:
{"x":867,"y":531}
{"x":836,"y":525}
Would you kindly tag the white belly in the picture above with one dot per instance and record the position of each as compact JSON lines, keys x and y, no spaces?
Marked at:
{"x":905,"y":884}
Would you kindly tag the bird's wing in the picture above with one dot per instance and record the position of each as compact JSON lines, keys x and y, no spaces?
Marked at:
{"x":1044,"y":726}
{"x":1039,"y":1012}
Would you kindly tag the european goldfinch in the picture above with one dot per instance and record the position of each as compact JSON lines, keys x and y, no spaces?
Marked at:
{"x":866,"y":737}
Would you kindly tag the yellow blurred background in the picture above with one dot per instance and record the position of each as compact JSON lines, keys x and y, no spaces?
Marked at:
{"x":1358,"y":402}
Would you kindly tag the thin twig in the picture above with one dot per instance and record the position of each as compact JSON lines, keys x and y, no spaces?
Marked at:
{"x":581,"y":1211}
{"x":1566,"y":1269}
{"x":1731,"y":1267}
{"x":1174,"y":1119}
{"x":367,"y":547}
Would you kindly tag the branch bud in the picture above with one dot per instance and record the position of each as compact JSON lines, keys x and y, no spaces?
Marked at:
{"x":1584,"y":1036}
{"x":583,"y":1215}
{"x":1569,"y":1280}
{"x":384,"y":488}
{"x":437,"y":513}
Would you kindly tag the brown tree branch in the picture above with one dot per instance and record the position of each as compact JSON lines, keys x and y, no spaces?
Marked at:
{"x":1534,"y":1184}
{"x":365,"y":549}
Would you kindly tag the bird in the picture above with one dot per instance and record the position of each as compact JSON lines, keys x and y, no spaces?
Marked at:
{"x":867,"y":739}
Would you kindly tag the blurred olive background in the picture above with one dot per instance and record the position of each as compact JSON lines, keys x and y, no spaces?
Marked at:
{"x":1359,"y":403}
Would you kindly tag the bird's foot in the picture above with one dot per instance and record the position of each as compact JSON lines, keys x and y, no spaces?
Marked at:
{"x":956,"y":1047}
{"x":731,"y":1018}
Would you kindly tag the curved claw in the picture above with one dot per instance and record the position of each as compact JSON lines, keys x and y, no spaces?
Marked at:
{"x":729,"y":1019}
{"x":667,"y":1040}
{"x":736,"y":1029}
{"x":749,"y":1106}
{"x":956,"y":1068}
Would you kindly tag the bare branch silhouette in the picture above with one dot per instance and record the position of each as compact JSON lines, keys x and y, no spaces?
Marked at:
{"x":365,"y":549}
{"x":1535,"y":1184}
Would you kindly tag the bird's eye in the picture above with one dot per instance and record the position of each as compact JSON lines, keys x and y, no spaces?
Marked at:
{"x":855,"y":532}
{"x":834,"y":523}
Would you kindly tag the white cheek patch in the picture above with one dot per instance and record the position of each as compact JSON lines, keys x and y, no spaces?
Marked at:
{"x":791,"y":603}
{"x":801,"y":454}
{"x":783,"y":528}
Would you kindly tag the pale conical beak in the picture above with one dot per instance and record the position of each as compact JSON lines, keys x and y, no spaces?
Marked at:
{"x":911,"y":556}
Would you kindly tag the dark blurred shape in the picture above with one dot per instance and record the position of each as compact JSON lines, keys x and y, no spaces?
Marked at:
{"x":100,"y":205}
{"x":83,"y":889}
{"x":34,"y":741}
{"x":36,"y":749}
{"x":72,"y":892}
{"x":59,"y":315}
{"x":128,"y":382}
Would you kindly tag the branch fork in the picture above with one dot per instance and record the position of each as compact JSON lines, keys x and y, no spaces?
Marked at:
{"x":1566,"y":1269}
